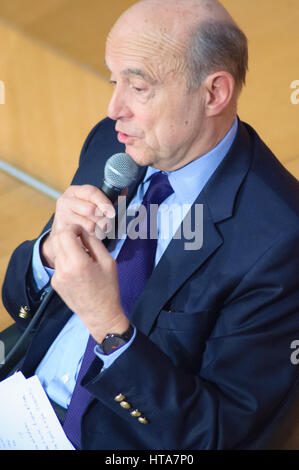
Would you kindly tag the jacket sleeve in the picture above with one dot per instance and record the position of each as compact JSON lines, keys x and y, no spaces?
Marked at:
{"x":19,"y":288}
{"x":244,"y":378}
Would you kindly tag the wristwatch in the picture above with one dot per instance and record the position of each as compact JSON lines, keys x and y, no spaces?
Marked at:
{"x":113,"y":341}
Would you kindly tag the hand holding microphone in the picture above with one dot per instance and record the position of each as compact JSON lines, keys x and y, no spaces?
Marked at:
{"x":88,"y":207}
{"x":87,"y":279}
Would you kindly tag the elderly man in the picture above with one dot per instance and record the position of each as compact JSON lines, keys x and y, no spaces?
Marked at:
{"x":197,"y":356}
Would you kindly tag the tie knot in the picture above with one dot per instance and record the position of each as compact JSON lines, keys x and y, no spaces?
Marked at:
{"x":158,"y":190}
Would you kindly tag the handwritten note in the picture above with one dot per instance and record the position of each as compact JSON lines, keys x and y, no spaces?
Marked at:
{"x":27,"y":419}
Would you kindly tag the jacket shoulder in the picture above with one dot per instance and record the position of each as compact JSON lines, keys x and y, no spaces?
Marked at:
{"x":273,"y":187}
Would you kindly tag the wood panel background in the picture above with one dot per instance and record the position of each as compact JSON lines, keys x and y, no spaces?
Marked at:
{"x":51,"y":103}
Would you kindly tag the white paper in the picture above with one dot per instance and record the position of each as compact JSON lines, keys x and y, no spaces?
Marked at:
{"x":27,"y":419}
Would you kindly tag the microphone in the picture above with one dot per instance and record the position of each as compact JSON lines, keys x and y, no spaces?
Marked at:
{"x":120,"y":171}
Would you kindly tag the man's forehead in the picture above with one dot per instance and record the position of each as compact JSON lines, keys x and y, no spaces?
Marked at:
{"x":169,"y":22}
{"x":153,"y":46}
{"x":156,"y":36}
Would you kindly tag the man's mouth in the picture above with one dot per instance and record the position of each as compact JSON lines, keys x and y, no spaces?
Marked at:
{"x":124,"y":138}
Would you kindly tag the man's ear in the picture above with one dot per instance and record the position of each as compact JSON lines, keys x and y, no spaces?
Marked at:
{"x":219,"y":91}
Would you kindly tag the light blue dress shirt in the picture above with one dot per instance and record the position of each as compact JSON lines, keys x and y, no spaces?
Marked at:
{"x":60,"y":366}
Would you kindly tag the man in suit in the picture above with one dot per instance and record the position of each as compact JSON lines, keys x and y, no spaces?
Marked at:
{"x":204,"y":355}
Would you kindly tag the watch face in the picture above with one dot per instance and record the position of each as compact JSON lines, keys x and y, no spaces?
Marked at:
{"x":111,"y":343}
{"x":114,"y":341}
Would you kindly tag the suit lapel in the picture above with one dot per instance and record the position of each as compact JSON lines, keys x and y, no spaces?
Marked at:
{"x":177,"y":264}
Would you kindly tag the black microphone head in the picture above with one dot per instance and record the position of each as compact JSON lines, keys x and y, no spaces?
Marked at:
{"x":120,"y":171}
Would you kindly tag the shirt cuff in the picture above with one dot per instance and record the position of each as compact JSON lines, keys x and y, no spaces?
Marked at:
{"x":108,"y":360}
{"x":41,"y":274}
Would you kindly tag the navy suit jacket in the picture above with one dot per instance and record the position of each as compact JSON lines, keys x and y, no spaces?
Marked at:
{"x":210,"y":366}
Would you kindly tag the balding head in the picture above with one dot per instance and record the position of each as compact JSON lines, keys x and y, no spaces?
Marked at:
{"x":196,"y":36}
{"x":182,"y":12}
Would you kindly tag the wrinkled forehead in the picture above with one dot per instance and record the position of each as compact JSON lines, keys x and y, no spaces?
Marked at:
{"x":149,"y":17}
{"x":147,"y":41}
{"x":163,"y":27}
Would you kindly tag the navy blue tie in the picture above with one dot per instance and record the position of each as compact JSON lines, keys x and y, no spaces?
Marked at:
{"x":135,"y":262}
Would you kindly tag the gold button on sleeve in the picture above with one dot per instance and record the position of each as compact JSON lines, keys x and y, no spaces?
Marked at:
{"x":125,"y":404}
{"x":24,"y":312}
{"x":135,"y":413}
{"x":119,"y":398}
{"x":143,"y":420}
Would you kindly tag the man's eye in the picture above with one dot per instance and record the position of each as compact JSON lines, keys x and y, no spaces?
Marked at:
{"x":138,"y":89}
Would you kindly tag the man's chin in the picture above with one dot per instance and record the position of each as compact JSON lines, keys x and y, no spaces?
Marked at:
{"x":139,"y":156}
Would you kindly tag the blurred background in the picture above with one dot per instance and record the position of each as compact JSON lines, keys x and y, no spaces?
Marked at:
{"x":54,"y":89}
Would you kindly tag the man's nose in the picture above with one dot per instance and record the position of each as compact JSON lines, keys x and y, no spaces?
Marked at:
{"x":118,"y":107}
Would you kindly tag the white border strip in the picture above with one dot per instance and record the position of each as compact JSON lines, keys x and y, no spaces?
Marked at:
{"x":25,"y":178}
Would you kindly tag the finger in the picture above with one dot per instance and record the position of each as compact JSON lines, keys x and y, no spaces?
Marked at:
{"x":82,"y":207}
{"x":70,"y":204}
{"x":96,"y":196}
{"x":105,"y":211}
{"x":96,"y":248}
{"x":68,"y":248}
{"x":100,"y":233}
{"x":104,"y":224}
{"x":87,"y":224}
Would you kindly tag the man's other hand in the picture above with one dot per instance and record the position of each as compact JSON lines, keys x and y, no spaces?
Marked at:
{"x":86,"y":279}
{"x":85,"y":206}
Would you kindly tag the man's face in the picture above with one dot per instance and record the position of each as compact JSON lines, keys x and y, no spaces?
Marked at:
{"x":158,"y":120}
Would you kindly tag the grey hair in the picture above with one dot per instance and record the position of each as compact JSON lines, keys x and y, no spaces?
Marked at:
{"x":216,"y":46}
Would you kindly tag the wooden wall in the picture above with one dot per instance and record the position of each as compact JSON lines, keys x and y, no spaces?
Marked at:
{"x":51,"y":103}
{"x":272,"y":28}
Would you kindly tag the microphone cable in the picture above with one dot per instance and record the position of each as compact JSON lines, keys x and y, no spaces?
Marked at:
{"x":47,"y":296}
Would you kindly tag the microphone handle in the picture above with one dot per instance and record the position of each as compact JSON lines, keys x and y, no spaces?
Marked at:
{"x":111,"y":192}
{"x":46,"y":299}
